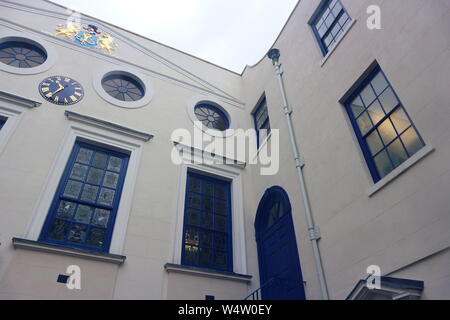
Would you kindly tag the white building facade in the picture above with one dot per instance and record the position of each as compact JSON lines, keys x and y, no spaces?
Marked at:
{"x":88,"y":113}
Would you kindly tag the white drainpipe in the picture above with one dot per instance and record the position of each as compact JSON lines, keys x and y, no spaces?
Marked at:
{"x":314,"y":232}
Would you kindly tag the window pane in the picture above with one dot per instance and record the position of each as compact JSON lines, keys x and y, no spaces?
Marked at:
{"x":58,"y":230}
{"x":207,"y":220}
{"x":77,"y":233}
{"x":206,"y":239}
{"x":209,"y":188}
{"x":374,"y":142}
{"x":207,"y":204}
{"x":115,"y":164}
{"x":336,"y":29}
{"x":195,"y":185}
{"x":322,"y":30}
{"x":376,"y":112}
{"x":89,"y":193}
{"x":220,"y":207}
{"x":101,"y":218}
{"x":387,"y":131}
{"x":96,"y":238}
{"x":66,"y":209}
{"x":364,"y":123}
{"x":220,"y":241}
{"x":190,"y":255}
{"x":329,"y":20}
{"x":106,"y":197}
{"x":343,"y":19}
{"x":206,"y":257}
{"x":220,"y":260}
{"x":357,"y":106}
{"x":388,"y":100}
{"x":73,"y":189}
{"x":379,"y":83}
{"x":383,"y":164}
{"x":111,"y":180}
{"x":368,"y":95}
{"x":100,"y":160}
{"x":220,"y":223}
{"x":412,"y":141}
{"x":397,"y":153}
{"x":192,"y":237}
{"x":95,"y":176}
{"x":79,"y":172}
{"x":220,"y":191}
{"x":194,"y":200}
{"x":84,"y":156}
{"x":400,"y":120}
{"x":337,"y":9}
{"x":84,"y":214}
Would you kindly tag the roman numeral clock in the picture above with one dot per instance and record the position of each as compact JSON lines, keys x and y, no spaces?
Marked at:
{"x":61,"y":90}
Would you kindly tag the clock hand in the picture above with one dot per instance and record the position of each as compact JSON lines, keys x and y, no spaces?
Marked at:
{"x":61,"y":88}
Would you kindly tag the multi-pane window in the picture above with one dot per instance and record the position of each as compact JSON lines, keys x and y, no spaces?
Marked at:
{"x":330,"y":24}
{"x":207,"y":223}
{"x":386,"y":134}
{"x":261,"y":119}
{"x":83,"y":212}
{"x":2,"y":122}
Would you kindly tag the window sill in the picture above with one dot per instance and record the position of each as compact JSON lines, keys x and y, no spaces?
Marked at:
{"x":400,"y":170}
{"x":337,"y":43}
{"x":54,"y":249}
{"x":207,"y":273}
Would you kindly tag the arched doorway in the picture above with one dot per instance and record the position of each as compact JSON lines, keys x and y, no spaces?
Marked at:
{"x":279,"y":263}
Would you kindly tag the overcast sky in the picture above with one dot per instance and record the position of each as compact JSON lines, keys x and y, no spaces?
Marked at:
{"x":230,"y":33}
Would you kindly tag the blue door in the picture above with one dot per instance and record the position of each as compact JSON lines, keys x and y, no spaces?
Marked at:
{"x":279,"y":264}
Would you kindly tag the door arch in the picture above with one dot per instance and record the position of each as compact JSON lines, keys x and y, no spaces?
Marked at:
{"x":279,"y":263}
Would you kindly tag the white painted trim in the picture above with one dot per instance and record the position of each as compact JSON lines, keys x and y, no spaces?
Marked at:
{"x":194,"y":101}
{"x":122,"y":70}
{"x":425,"y":151}
{"x":238,"y":227}
{"x":109,"y":138}
{"x":29,"y":38}
{"x":208,"y":273}
{"x":330,"y":52}
{"x":12,"y":108}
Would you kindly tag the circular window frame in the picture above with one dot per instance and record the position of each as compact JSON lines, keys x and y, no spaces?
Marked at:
{"x":29,"y":39}
{"x":142,"y":80}
{"x":194,"y":102}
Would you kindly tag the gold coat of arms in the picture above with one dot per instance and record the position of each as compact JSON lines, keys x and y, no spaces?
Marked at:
{"x":88,"y":36}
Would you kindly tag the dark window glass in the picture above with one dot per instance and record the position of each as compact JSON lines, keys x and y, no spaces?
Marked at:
{"x":2,"y":122}
{"x":21,"y":54}
{"x":211,"y":117}
{"x":387,"y":135}
{"x":207,"y":223}
{"x":123,"y":87}
{"x":83,"y":212}
{"x":261,"y":120}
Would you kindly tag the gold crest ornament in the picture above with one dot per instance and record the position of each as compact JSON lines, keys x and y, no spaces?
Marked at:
{"x":88,"y":36}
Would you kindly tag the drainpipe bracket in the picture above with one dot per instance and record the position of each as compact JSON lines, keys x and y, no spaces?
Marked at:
{"x":314,"y":234}
{"x":280,"y":70}
{"x":300,"y":162}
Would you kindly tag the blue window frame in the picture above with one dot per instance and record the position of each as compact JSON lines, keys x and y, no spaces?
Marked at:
{"x":207,"y":239}
{"x":21,"y":54}
{"x":330,"y":23}
{"x":261,"y":119}
{"x":2,"y":122}
{"x":84,"y":209}
{"x":384,"y":130}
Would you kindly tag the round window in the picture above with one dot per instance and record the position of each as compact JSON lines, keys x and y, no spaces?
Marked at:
{"x":22,"y":54}
{"x":123,"y":87}
{"x":211,"y":117}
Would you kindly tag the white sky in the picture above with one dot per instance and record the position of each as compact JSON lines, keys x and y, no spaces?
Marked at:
{"x":230,"y":33}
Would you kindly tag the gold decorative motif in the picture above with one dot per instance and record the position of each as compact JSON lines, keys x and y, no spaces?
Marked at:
{"x":69,"y":30}
{"x":106,"y":42}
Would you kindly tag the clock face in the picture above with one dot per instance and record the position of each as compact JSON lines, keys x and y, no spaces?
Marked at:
{"x":61,"y":90}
